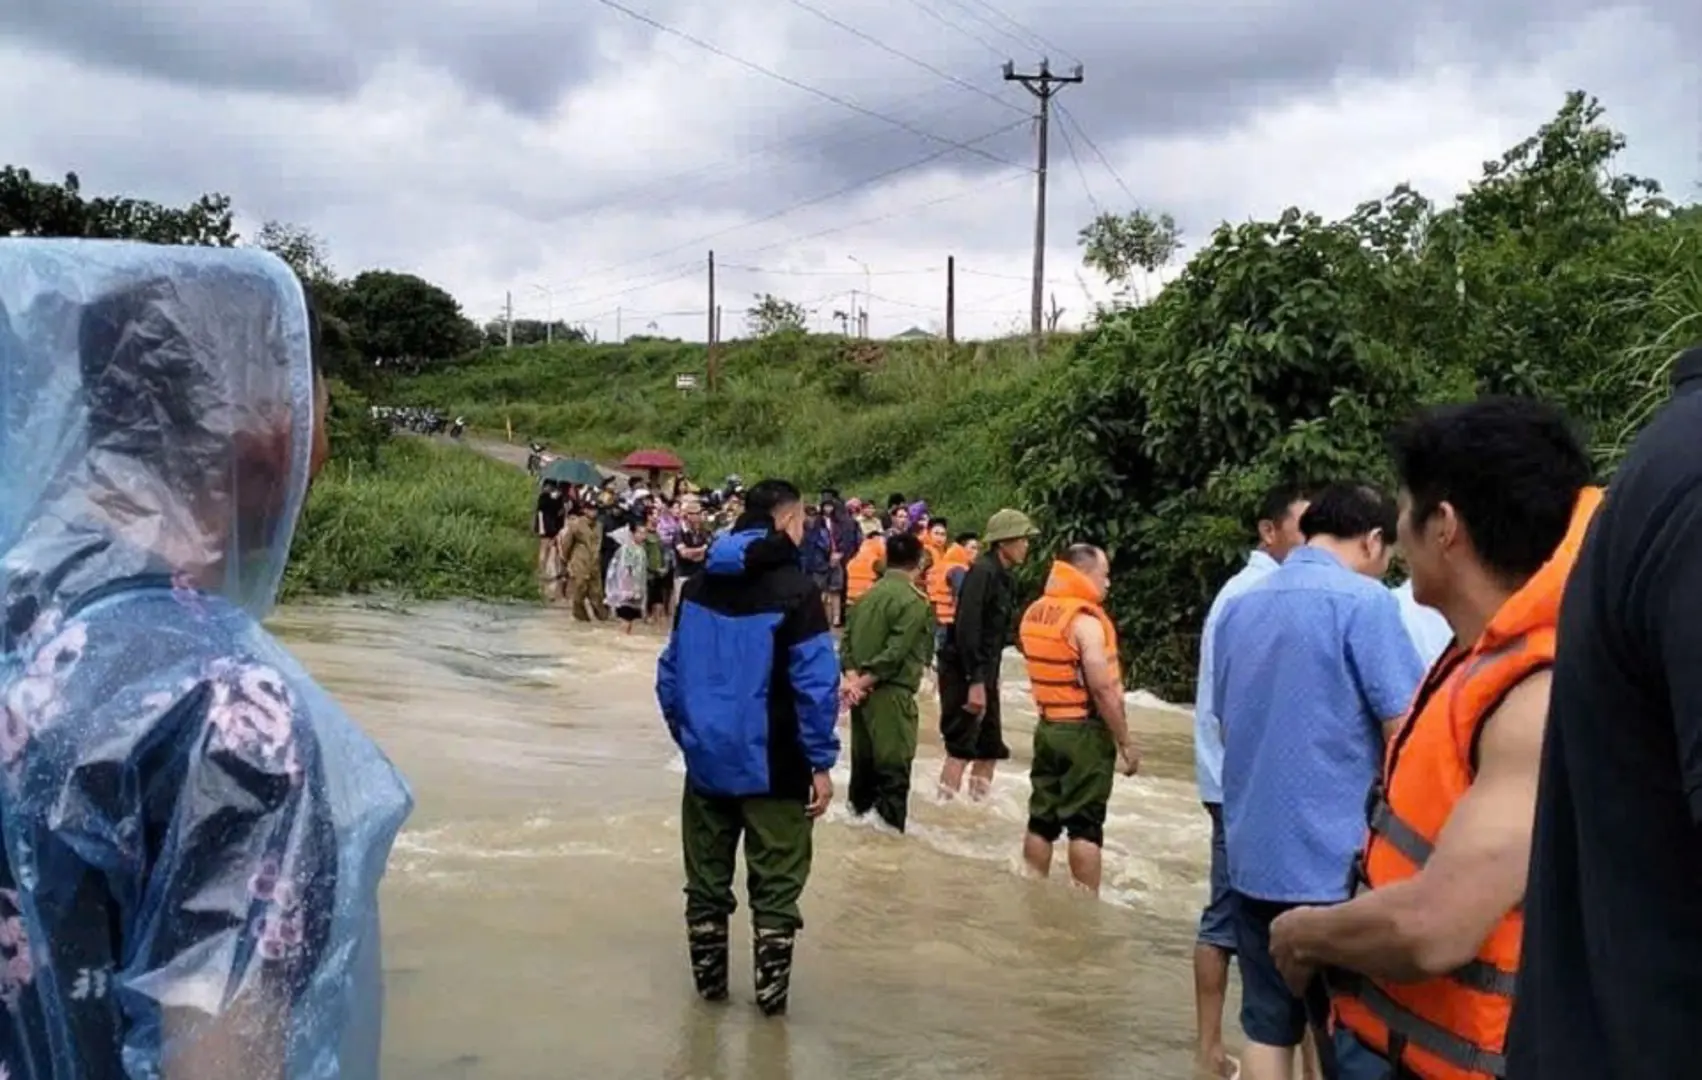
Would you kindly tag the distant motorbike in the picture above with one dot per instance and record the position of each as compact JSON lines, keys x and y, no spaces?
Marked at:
{"x":459,"y":426}
{"x":535,"y":460}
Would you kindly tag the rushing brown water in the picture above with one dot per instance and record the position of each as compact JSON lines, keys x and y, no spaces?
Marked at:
{"x":534,"y":915}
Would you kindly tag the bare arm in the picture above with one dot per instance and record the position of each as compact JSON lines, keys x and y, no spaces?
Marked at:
{"x":1102,"y":683}
{"x":1437,"y":920}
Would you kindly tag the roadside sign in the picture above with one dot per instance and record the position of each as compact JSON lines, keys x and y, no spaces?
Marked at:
{"x":685,"y":381}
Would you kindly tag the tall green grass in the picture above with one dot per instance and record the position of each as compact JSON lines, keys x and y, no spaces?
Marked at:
{"x":423,"y":520}
{"x":930,"y":420}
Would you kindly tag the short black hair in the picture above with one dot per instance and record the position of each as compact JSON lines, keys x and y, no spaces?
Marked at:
{"x":1348,"y":510}
{"x":1274,"y":504}
{"x":768,"y":497}
{"x":903,"y":552}
{"x":966,"y":538}
{"x":939,"y":523}
{"x":1082,"y":556}
{"x":1510,"y":467}
{"x":895,"y":500}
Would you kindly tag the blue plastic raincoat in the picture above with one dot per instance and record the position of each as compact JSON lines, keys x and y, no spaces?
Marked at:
{"x":194,"y":831}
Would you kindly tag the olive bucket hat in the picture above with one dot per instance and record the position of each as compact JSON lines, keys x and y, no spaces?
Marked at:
{"x":1008,"y":525}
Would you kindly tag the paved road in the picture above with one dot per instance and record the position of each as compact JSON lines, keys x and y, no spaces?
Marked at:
{"x":516,"y":455}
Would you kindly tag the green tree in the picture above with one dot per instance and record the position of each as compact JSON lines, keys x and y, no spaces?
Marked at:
{"x":301,"y":247}
{"x":31,"y":207}
{"x":396,"y":317}
{"x":1118,"y":245}
{"x":771,"y":315}
{"x":533,"y":332}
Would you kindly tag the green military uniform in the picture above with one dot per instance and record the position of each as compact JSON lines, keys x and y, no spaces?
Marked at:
{"x":889,"y":635}
{"x":581,"y":550}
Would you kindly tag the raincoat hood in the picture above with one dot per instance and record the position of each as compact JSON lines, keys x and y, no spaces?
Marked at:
{"x":750,"y":550}
{"x":159,"y":416}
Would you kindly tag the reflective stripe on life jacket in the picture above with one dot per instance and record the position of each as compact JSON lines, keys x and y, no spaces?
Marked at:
{"x":1054,"y":662}
{"x":1453,"y":1026}
{"x":939,"y":584}
{"x":860,"y":572}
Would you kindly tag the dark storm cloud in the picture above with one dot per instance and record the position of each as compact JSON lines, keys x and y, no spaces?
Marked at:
{"x":524,"y":56}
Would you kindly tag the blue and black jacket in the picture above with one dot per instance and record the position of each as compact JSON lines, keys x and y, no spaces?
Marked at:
{"x":749,"y":682}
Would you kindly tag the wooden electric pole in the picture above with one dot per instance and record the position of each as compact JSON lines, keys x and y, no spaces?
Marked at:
{"x":709,"y":339}
{"x":1043,"y":85}
{"x":508,"y":319}
{"x":951,"y":299}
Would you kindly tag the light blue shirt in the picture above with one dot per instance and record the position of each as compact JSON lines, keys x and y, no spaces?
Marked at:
{"x":1429,"y":631}
{"x":1208,"y":731}
{"x":1309,"y":663}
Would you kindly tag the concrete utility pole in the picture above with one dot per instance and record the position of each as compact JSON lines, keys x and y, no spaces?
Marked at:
{"x":951,"y":299}
{"x":709,"y":347}
{"x":508,"y":318}
{"x":1043,"y":85}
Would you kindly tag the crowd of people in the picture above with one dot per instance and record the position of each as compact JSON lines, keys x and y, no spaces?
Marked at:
{"x":1396,"y":889}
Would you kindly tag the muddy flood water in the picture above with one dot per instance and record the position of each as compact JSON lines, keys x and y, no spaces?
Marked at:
{"x":533,"y":914}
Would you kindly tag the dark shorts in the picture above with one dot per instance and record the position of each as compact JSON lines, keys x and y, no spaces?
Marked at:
{"x":661,"y":588}
{"x":819,"y":577}
{"x":1217,"y":921}
{"x":1270,"y":1013}
{"x":835,"y":580}
{"x":627,"y":613}
{"x":968,"y":737}
{"x":1075,"y":766}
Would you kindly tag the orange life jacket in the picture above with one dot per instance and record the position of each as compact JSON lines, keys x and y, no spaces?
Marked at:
{"x":1454,"y":1026}
{"x":860,"y":572}
{"x":939,"y":584}
{"x":1054,"y":662}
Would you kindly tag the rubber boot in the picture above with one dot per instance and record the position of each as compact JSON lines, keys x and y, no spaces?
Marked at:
{"x":708,"y":944}
{"x":773,"y":970}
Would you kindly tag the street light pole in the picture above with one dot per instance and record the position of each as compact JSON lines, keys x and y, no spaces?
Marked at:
{"x":868,"y":291}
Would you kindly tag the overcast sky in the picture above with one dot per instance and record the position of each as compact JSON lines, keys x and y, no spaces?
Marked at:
{"x":586,"y":160}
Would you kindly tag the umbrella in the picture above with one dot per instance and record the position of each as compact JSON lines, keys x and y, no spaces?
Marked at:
{"x":653,"y":459}
{"x":572,"y":471}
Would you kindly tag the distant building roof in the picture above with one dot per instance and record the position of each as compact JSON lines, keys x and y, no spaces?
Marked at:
{"x":911,"y":334}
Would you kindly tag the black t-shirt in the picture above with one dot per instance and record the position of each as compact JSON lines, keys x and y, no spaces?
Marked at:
{"x":691,"y":538}
{"x":553,"y":513}
{"x":1611,"y":975}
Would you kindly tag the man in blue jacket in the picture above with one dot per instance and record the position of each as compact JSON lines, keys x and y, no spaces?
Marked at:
{"x":749,"y":686}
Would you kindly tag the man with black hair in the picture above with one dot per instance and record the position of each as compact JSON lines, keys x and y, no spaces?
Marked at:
{"x":889,"y":639}
{"x":749,"y":686}
{"x":1611,"y":970}
{"x":1421,"y":962}
{"x":1311,"y":666}
{"x":1277,"y":525}
{"x":550,"y":519}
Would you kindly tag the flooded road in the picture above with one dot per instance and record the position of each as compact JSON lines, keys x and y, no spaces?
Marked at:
{"x":533,"y":913}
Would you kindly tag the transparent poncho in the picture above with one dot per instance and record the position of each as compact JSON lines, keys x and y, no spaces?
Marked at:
{"x":194,"y":831}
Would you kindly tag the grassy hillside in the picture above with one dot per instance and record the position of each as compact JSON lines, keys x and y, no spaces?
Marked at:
{"x":866,"y":417}
{"x":420,"y":519}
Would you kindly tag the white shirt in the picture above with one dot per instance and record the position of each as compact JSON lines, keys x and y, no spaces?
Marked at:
{"x":1208,"y":729}
{"x":1429,"y":631}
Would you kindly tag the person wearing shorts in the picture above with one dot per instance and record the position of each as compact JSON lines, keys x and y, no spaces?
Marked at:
{"x":968,"y":664}
{"x":1083,"y":734}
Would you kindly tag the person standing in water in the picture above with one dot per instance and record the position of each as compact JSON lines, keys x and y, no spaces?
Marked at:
{"x":1082,"y":738}
{"x":193,"y":831}
{"x":581,"y":553}
{"x":749,"y":686}
{"x":889,"y":638}
{"x":1278,"y":529}
{"x":969,"y":660}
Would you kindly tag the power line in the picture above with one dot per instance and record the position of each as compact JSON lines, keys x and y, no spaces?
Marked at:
{"x":948,"y":24}
{"x":813,"y":200}
{"x":877,"y":219}
{"x":821,"y":273}
{"x":923,"y":64}
{"x":1032,"y":35}
{"x":1069,"y":144}
{"x":1091,"y":145}
{"x":615,"y":5}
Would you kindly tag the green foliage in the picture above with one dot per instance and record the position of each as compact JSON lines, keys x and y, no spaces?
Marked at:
{"x":1286,"y":350}
{"x":355,"y":436}
{"x":772,"y":315}
{"x":424,"y":520}
{"x":31,"y":207}
{"x":394,"y":316}
{"x":865,"y":417}
{"x":532,"y":332}
{"x":301,"y":248}
{"x":1117,"y":245}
